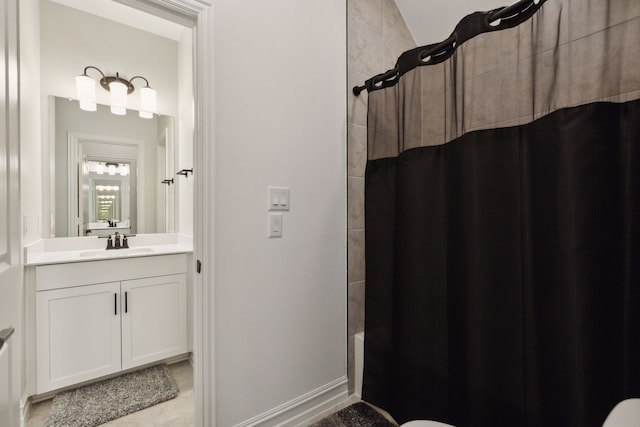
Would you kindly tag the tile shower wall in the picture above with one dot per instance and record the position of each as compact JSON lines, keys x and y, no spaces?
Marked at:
{"x":376,"y":36}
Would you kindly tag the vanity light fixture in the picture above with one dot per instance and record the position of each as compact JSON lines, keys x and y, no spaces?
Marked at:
{"x":107,"y":188}
{"x":119,"y":89}
{"x":110,"y":168}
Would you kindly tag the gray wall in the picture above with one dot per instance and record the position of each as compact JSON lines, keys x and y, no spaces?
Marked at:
{"x":70,"y":118}
{"x":377,"y":35}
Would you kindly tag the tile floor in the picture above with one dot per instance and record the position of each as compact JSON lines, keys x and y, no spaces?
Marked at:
{"x":177,"y":412}
{"x":352,"y":399}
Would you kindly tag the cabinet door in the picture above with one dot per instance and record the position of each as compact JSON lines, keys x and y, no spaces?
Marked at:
{"x":78,"y":334}
{"x":154,"y":319}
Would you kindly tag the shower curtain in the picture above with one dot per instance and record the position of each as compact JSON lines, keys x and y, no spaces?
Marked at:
{"x":503,"y":222}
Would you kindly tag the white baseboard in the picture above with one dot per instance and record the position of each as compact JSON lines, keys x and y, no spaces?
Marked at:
{"x":25,"y":407}
{"x":303,"y":408}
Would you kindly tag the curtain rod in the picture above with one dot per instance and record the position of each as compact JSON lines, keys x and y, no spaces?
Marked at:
{"x":492,"y":20}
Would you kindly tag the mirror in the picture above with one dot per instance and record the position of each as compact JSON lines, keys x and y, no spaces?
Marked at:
{"x":108,"y":194}
{"x":109,"y":169}
{"x":154,"y":149}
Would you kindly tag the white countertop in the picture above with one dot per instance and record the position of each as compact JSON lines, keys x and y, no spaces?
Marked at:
{"x":82,"y":249}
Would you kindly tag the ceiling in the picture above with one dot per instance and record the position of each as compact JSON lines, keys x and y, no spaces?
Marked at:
{"x":429,"y":21}
{"x":432,"y":21}
{"x":128,"y":16}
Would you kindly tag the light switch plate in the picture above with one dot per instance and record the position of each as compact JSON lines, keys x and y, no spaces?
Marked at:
{"x":278,"y":198}
{"x":275,"y":225}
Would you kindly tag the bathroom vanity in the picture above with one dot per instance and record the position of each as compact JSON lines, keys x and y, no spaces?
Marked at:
{"x":94,"y":312}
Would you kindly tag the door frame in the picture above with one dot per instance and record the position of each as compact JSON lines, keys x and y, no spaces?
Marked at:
{"x":199,"y":14}
{"x":75,"y":140}
{"x":10,"y":218}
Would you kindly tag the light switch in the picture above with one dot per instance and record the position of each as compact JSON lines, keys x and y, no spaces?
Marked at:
{"x":275,"y":225}
{"x":278,"y":199}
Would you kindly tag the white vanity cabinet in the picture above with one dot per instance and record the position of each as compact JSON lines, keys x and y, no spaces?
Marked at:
{"x":85,"y":330}
{"x":78,"y":334}
{"x":154,"y":319}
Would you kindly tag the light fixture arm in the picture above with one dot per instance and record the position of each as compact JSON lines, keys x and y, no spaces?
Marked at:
{"x":84,"y":73}
{"x":140,"y":77}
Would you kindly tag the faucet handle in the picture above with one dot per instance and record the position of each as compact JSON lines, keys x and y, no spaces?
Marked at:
{"x":125,"y":240}
{"x":109,"y":242}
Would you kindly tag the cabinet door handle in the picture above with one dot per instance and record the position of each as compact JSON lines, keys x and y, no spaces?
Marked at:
{"x":126,"y":309}
{"x":115,"y":304}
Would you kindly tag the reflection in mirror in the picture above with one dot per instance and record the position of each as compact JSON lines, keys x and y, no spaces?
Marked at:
{"x":98,"y":150}
{"x":110,"y":196}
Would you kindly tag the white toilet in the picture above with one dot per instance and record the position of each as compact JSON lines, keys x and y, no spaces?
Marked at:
{"x":422,"y":423}
{"x":624,"y":414}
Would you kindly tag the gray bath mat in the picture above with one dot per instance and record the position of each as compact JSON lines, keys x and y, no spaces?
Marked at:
{"x":357,"y":415}
{"x":98,"y":403}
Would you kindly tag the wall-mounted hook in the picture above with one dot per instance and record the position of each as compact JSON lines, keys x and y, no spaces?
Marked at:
{"x":185,"y":172}
{"x":167,"y":181}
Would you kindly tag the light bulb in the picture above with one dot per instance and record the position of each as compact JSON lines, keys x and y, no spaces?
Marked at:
{"x":147,"y":102}
{"x":88,"y":106}
{"x":86,"y":92}
{"x":118,"y":97}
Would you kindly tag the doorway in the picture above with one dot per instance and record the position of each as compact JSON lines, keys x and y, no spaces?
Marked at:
{"x":197,"y":16}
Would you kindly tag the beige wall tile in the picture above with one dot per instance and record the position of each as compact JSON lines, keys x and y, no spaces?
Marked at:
{"x":364,"y":48}
{"x":630,"y":80}
{"x":355,"y":195}
{"x":508,"y":46}
{"x":357,"y":150}
{"x":590,"y":16}
{"x":357,"y":105}
{"x":553,"y":29}
{"x":481,"y":100}
{"x":433,"y":121}
{"x":393,"y":25}
{"x":355,"y":253}
{"x":411,"y":114}
{"x":432,"y":77}
{"x":367,"y":11}
{"x":507,"y":102}
{"x":393,"y":48}
{"x":488,"y":44}
{"x":552,"y":74}
{"x":356,"y":308}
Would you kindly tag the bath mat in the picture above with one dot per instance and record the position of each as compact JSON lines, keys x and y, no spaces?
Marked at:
{"x":357,"y":415}
{"x":98,"y":403}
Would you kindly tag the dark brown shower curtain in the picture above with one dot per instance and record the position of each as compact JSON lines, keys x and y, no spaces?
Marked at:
{"x":503,"y":222}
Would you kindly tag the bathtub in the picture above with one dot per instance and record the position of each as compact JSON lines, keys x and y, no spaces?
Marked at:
{"x":359,"y":362}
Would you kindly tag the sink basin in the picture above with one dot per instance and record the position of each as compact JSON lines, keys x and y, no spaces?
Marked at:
{"x":113,"y":253}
